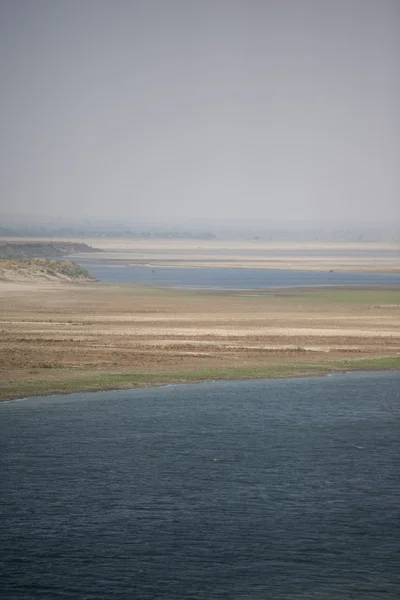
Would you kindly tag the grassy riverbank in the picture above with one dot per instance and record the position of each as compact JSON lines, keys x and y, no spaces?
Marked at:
{"x":62,"y":383}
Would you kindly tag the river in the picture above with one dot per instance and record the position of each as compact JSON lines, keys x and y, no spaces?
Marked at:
{"x":280,"y":489}
{"x":235,"y":279}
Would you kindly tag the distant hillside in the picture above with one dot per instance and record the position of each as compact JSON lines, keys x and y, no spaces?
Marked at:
{"x":42,"y":249}
{"x":42,"y":269}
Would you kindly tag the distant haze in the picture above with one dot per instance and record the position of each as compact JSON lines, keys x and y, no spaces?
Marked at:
{"x":201,"y":109}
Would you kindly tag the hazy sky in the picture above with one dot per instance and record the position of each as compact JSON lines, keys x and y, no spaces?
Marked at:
{"x":266,"y":109}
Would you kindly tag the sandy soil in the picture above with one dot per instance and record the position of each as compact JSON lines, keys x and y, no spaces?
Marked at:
{"x":53,"y":330}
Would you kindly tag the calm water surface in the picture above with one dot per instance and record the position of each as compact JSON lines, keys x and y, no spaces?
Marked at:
{"x":237,"y":279}
{"x":285,"y":489}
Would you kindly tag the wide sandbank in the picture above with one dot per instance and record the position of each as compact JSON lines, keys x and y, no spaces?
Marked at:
{"x":70,"y":337}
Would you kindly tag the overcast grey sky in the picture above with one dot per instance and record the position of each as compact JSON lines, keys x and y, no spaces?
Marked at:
{"x":266,"y":109}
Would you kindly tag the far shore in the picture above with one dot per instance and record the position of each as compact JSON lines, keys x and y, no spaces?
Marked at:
{"x":356,"y":256}
{"x":228,"y":254}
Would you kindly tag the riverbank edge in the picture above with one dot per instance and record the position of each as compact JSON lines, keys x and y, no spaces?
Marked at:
{"x":107,"y":381}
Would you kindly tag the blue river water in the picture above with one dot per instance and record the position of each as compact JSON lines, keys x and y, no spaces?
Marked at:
{"x":280,"y":489}
{"x":235,"y":279}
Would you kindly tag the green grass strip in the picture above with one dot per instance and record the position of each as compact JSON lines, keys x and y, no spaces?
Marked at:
{"x":109,"y":380}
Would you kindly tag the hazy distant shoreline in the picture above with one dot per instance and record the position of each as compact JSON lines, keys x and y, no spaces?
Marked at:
{"x":371,"y":257}
{"x":251,"y":254}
